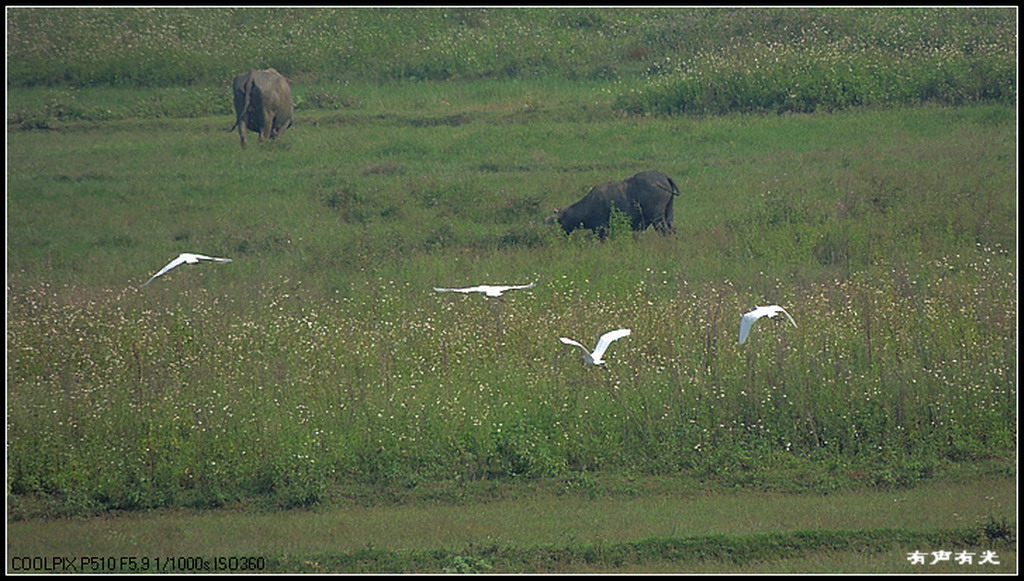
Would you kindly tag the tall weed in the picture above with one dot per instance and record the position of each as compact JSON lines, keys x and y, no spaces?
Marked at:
{"x":197,"y":404}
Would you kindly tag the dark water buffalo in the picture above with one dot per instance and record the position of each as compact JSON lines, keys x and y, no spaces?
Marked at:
{"x":263,"y":103}
{"x":646,"y":198}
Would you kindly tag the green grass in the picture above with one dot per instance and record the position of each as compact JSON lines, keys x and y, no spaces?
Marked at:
{"x":321,"y":356}
{"x":319,"y":369}
{"x":556,"y":527}
{"x":703,"y":60}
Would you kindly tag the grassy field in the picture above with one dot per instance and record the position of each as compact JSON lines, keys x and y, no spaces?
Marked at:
{"x":320,"y":369}
{"x":322,"y":355}
{"x":693,"y":60}
{"x":547,"y":528}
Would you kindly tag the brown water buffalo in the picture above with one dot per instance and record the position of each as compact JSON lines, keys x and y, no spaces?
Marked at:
{"x":646,"y":198}
{"x":263,"y":103}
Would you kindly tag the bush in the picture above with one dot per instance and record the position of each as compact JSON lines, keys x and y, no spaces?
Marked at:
{"x":786,"y":79}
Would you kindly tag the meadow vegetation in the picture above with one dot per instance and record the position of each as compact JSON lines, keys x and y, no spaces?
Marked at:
{"x":320,"y":364}
{"x":704,"y":60}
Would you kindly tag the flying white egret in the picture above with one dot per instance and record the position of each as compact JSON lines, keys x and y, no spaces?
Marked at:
{"x":183,"y":258}
{"x":602,"y":345}
{"x":487,"y":289}
{"x":748,"y":319}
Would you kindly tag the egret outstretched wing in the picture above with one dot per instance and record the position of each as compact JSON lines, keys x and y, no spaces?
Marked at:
{"x":513,"y":287}
{"x":184,"y":258}
{"x":192,"y":258}
{"x":568,"y":341}
{"x":748,"y":319}
{"x":487,"y":289}
{"x":606,"y":340}
{"x":595,"y":357}
{"x":170,"y":265}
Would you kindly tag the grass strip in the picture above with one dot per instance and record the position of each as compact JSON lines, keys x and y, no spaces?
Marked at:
{"x":684,"y":551}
